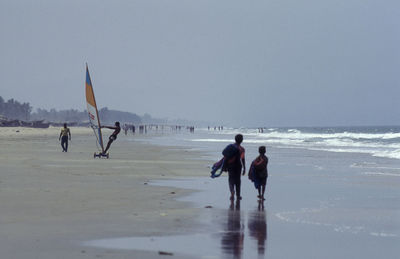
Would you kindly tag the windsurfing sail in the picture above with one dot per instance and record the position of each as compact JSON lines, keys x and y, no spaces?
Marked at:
{"x":93,"y":112}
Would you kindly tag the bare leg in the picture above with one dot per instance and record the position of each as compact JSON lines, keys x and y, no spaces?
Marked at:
{"x":108,"y":146}
{"x":231,"y":187}
{"x":237,"y":185}
{"x":263,"y":191}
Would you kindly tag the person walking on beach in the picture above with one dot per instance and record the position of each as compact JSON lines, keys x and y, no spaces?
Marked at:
{"x":113,"y":136}
{"x":235,"y":162}
{"x":65,"y":134}
{"x":258,"y":172}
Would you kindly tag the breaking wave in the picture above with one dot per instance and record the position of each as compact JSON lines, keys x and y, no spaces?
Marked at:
{"x":377,"y":141}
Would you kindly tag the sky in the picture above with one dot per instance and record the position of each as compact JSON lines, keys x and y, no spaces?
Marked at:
{"x":236,"y":63}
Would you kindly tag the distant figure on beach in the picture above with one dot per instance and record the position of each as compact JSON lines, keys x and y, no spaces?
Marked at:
{"x":126,"y":129}
{"x":258,"y":172}
{"x":234,"y":163}
{"x":65,"y":134}
{"x":113,"y":136}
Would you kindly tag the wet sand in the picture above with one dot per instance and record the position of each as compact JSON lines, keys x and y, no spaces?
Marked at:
{"x":147,"y":199}
{"x":311,"y":211}
{"x":52,"y":202}
{"x":227,"y":229}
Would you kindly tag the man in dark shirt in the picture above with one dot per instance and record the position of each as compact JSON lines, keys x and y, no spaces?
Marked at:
{"x":65,"y":133}
{"x":113,"y":136}
{"x":235,"y":165}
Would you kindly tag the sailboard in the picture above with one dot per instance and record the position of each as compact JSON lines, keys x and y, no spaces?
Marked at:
{"x":93,"y":113}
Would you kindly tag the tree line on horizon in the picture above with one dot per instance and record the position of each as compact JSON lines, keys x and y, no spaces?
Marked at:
{"x":14,"y":110}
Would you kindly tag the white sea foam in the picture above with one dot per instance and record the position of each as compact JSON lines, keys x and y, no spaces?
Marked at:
{"x":373,"y":166}
{"x":376,"y":144}
{"x":381,"y":174}
{"x":211,"y":140}
{"x":299,"y":217}
{"x":315,"y":217}
{"x":364,"y":165}
{"x":304,"y":135}
{"x":383,"y":234}
{"x":390,"y":154}
{"x":345,"y":150}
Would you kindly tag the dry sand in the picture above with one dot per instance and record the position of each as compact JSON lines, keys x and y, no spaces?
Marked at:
{"x":51,"y":202}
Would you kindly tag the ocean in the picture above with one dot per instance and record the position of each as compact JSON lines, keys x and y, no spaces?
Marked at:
{"x":377,"y":142}
{"x":332,"y":192}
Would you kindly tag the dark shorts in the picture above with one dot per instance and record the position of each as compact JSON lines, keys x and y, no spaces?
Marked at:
{"x":113,"y":137}
{"x":263,"y":180}
{"x":260,"y":181}
{"x":234,"y":179}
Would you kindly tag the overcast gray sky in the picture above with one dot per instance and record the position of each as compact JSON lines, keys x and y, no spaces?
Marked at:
{"x":242,"y":63}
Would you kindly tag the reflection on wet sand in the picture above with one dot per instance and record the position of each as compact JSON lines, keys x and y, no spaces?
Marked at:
{"x":233,"y":237}
{"x":257,"y":224}
{"x":234,"y":230}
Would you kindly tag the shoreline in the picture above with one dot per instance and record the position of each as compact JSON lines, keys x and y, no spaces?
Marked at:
{"x":52,"y":201}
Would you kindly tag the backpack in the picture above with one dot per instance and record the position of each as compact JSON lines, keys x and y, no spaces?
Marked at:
{"x":261,"y":169}
{"x":230,"y":152}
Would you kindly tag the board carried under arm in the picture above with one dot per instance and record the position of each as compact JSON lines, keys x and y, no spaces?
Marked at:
{"x":217,"y":166}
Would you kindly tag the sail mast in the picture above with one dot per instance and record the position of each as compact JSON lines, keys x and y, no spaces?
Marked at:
{"x":92,"y":110}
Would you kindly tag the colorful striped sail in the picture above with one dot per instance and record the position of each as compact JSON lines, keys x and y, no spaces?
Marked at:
{"x":92,"y":111}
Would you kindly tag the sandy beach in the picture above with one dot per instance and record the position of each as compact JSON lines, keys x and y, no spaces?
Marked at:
{"x":155,"y":194}
{"x":52,"y":201}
